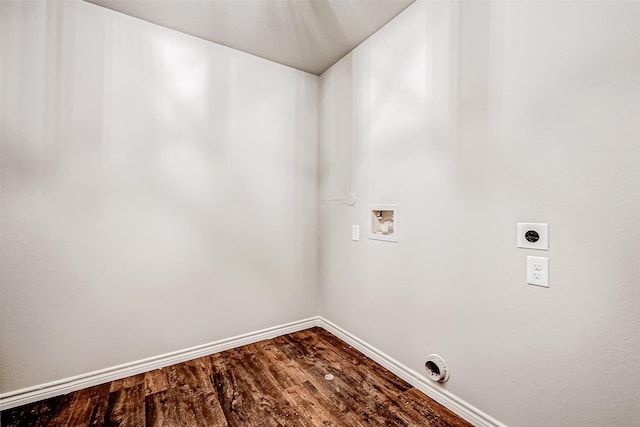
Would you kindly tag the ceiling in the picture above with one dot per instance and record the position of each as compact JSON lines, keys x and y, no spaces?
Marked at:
{"x":310,"y":35}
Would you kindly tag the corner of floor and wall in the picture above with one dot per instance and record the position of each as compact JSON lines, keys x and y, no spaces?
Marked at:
{"x":164,"y":197}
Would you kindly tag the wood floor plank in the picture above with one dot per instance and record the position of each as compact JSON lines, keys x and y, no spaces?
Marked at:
{"x":162,"y":409}
{"x":126,"y":407}
{"x":127,"y":382}
{"x":268,"y":398}
{"x":265,"y":389}
{"x":278,"y":382}
{"x":311,"y":409}
{"x":431,"y":412}
{"x":38,"y":414}
{"x":202,"y":363}
{"x":99,"y":410}
{"x":205,"y":410}
{"x":155,"y":381}
{"x":272,"y":362}
{"x":338,"y":400}
{"x":87,"y":407}
{"x":192,"y":380}
{"x":193,"y":411}
{"x":237,"y":405}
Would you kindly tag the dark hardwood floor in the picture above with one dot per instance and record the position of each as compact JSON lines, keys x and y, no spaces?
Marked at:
{"x":278,"y":382}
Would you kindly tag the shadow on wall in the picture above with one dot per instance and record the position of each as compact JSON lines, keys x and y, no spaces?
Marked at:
{"x":161,"y":181}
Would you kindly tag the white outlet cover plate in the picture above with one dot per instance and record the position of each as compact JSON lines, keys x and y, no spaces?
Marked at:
{"x":355,"y":233}
{"x":543,"y":231}
{"x":538,"y":271}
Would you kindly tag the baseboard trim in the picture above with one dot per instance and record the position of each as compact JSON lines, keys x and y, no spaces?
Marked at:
{"x":68,"y":385}
{"x":444,"y":397}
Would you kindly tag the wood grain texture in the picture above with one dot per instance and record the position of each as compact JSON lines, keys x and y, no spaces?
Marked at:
{"x":277,"y":382}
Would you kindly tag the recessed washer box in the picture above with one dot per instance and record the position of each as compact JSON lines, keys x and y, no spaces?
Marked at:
{"x":532,"y":235}
{"x":384,"y":222}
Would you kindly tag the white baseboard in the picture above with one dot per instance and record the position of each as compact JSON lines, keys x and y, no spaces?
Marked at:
{"x":443,"y":397}
{"x":68,"y":385}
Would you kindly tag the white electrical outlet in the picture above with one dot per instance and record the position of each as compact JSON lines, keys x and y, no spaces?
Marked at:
{"x":355,"y":233}
{"x":538,"y":271}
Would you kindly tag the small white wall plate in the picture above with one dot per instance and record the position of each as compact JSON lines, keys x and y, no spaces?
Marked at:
{"x":355,"y":233}
{"x":533,"y":236}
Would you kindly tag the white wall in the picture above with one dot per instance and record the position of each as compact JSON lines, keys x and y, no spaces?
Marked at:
{"x":474,"y":116}
{"x":158,"y":191}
